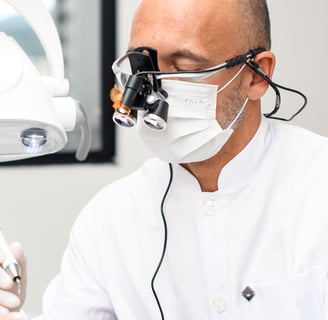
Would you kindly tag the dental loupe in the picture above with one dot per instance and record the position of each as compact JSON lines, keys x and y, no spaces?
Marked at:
{"x":136,"y":90}
{"x":139,"y":88}
{"x":35,"y":110}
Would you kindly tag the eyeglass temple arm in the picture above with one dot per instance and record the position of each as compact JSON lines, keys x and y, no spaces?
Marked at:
{"x":236,"y":61}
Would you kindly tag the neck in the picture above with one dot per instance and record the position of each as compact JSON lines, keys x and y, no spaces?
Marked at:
{"x":207,"y":172}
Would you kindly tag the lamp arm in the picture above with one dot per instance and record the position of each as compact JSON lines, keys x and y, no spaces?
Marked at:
{"x":39,"y":18}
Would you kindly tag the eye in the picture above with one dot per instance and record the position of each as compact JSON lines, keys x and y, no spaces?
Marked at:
{"x":186,"y":68}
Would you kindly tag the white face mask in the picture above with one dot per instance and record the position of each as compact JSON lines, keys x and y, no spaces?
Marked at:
{"x":192,"y":133}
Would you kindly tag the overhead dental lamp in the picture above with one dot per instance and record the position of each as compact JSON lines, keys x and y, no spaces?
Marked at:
{"x":35,"y":110}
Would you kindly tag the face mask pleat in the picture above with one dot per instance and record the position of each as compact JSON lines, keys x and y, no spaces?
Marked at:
{"x":200,"y":100}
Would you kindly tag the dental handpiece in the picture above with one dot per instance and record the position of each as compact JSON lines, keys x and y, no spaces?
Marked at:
{"x":10,"y":264}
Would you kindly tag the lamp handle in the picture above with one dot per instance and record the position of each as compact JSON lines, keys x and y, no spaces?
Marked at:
{"x":37,"y":15}
{"x":72,"y":116}
{"x":85,"y":141}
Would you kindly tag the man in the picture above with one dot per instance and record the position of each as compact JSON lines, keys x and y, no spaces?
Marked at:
{"x":246,"y":222}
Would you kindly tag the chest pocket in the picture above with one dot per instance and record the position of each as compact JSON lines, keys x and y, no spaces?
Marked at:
{"x":300,"y":297}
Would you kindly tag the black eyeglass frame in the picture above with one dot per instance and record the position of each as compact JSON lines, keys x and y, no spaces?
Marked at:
{"x":193,"y":75}
{"x":197,"y":75}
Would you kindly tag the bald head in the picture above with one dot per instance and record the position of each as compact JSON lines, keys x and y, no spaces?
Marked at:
{"x":254,"y":16}
{"x":246,"y":23}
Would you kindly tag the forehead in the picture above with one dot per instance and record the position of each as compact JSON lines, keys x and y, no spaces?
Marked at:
{"x":207,"y":27}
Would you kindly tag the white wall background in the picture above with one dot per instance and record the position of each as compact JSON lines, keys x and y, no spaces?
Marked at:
{"x":39,"y":204}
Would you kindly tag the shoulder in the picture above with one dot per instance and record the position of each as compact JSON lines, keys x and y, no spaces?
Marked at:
{"x":296,"y":139}
{"x":148,"y":178}
{"x":300,"y":151}
{"x":122,"y":211}
{"x":129,"y":197}
{"x":295,"y":133}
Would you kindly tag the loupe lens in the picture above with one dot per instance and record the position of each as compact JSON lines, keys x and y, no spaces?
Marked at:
{"x":124,"y":121}
{"x":156,"y":117}
{"x":154,"y":122}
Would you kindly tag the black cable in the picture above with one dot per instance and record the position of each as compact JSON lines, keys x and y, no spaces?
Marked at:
{"x":298,"y":111}
{"x":255,"y":67}
{"x":164,"y":242}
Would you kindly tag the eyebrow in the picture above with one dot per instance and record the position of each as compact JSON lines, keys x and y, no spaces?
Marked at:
{"x":187,"y":54}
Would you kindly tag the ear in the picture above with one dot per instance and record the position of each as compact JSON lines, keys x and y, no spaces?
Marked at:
{"x":258,"y":86}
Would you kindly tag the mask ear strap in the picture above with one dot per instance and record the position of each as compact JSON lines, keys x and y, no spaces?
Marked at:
{"x":256,"y":68}
{"x":239,"y":113}
{"x":232,"y":79}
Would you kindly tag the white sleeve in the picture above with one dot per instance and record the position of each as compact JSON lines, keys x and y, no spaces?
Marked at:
{"x":77,"y":292}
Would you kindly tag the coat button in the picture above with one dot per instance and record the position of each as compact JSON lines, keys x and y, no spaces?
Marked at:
{"x":209,"y":208}
{"x":248,"y":293}
{"x":219,"y":304}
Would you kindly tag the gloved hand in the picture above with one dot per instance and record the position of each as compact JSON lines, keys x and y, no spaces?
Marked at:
{"x":13,"y":316}
{"x":11,"y":299}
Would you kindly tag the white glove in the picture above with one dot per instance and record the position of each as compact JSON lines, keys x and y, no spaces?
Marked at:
{"x":11,"y":296}
{"x":13,"y":316}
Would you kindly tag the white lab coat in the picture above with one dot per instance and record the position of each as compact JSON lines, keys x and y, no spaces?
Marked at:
{"x":266,"y":228}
